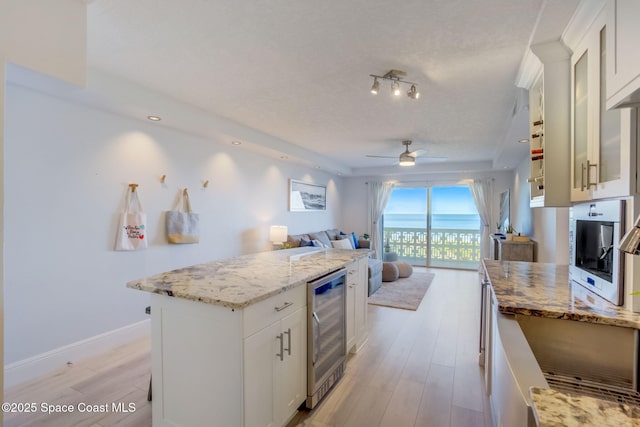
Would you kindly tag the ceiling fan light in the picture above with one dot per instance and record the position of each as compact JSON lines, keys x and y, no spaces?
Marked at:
{"x":407,"y":160}
{"x":395,"y":88}
{"x":375,"y":86}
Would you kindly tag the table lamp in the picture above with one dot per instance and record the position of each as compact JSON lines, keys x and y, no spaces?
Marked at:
{"x":278,"y":235}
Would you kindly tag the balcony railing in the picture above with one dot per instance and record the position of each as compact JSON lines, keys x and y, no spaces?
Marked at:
{"x":449,"y":248}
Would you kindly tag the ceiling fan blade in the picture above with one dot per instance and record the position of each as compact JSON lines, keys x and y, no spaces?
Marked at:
{"x":383,"y":157}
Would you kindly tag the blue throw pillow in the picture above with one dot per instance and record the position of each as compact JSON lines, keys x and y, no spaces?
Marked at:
{"x":305,"y":242}
{"x":355,"y":240}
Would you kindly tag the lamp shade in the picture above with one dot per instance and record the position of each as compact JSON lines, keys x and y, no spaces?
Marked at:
{"x":278,"y":233}
{"x":630,"y":242}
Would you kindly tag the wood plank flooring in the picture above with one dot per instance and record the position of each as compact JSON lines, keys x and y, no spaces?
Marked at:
{"x":419,"y":368}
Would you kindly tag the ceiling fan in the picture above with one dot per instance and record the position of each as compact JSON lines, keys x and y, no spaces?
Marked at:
{"x":408,"y":158}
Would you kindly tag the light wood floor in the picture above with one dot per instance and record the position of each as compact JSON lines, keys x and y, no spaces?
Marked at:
{"x":419,"y":368}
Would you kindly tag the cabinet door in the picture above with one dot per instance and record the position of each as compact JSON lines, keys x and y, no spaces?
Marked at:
{"x":351,"y":315}
{"x":361,"y":303}
{"x":581,"y":123}
{"x":602,"y":141}
{"x":291,"y":382}
{"x":623,"y":62}
{"x":260,"y":376}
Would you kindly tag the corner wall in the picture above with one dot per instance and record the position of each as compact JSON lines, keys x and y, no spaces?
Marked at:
{"x":65,"y":182}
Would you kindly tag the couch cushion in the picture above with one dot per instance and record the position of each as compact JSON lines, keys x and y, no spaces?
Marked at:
{"x":294,"y":239}
{"x":333,"y":233}
{"x":321,"y":236}
{"x":342,"y":244}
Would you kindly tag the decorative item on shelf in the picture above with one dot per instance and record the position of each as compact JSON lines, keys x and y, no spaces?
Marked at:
{"x":131,"y":235}
{"x":278,"y":236}
{"x":395,"y":76}
{"x":183,"y":225}
{"x":509,"y":232}
{"x":365,"y":236}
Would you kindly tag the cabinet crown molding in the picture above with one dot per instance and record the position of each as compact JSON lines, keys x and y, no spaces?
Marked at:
{"x":551,"y":51}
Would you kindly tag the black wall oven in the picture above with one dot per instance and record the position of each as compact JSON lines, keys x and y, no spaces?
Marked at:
{"x":595,"y":228}
{"x":326,"y":339}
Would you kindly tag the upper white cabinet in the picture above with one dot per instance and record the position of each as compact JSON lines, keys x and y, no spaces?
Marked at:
{"x":550,"y":126}
{"x":623,"y":60}
{"x":602,"y":142}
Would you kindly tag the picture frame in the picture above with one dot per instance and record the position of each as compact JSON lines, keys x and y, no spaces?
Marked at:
{"x":305,"y":197}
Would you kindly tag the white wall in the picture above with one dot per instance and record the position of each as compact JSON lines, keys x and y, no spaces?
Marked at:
{"x":548,"y":227}
{"x":67,"y":170}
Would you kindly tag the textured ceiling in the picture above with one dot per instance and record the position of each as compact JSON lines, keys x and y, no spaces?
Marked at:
{"x":299,"y":70}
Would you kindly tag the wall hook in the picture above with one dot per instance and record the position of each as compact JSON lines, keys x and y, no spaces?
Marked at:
{"x":133,"y":187}
{"x":205,"y":184}
{"x":163,"y":178}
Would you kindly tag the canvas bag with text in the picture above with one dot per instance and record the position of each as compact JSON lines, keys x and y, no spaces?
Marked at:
{"x":183,"y":225}
{"x":132,"y":225}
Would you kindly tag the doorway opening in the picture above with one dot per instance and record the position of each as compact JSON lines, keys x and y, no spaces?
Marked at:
{"x":435,"y":226}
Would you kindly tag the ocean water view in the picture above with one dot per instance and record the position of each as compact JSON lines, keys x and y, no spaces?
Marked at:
{"x":438,"y":221}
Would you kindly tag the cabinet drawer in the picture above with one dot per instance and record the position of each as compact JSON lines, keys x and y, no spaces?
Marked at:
{"x":264,"y":313}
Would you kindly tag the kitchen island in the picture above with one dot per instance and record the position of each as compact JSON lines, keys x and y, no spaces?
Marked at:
{"x":541,"y":329}
{"x":215,"y":334}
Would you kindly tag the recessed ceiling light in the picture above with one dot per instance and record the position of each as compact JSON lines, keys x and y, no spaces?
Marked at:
{"x":236,"y":142}
{"x":154,"y":118}
{"x":523,"y":141}
{"x":317,"y":167}
{"x":284,"y":157}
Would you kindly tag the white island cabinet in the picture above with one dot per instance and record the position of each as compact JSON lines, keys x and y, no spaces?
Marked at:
{"x":229,"y":338}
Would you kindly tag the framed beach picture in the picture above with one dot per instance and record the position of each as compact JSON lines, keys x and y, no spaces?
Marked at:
{"x":305,"y":197}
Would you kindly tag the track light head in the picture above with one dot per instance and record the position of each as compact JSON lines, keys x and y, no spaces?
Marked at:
{"x":375,"y":86}
{"x":413,"y":92}
{"x":395,"y":88}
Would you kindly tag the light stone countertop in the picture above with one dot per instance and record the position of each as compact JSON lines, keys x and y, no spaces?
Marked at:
{"x":556,"y":409}
{"x":538,"y":289}
{"x":244,"y":280}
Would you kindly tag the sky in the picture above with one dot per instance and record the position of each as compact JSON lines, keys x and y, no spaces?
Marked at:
{"x":444,"y":200}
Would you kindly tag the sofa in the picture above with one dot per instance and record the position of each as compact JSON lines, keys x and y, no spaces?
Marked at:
{"x":325,"y":237}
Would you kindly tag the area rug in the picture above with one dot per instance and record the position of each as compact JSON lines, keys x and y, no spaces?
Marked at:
{"x":404,"y":293}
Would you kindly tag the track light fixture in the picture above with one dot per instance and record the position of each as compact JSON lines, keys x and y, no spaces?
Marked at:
{"x":395,"y":76}
{"x":375,"y":86}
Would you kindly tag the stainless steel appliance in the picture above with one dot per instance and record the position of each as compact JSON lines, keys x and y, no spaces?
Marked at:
{"x":595,"y":228}
{"x":326,"y":339}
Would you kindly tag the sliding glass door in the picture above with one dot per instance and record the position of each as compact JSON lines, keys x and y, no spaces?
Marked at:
{"x":434,"y":227}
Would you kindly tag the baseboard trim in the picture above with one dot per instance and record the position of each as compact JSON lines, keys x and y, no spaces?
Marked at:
{"x":44,"y":363}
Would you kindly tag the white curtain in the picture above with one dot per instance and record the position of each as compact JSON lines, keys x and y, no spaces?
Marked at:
{"x":482,"y":192}
{"x":379,"y":193}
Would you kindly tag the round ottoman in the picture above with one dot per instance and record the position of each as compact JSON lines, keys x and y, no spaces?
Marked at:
{"x":390,"y":272}
{"x":404,"y":269}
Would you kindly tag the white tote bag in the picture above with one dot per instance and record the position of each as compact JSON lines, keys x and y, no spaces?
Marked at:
{"x":183,"y":225}
{"x":132,"y":225}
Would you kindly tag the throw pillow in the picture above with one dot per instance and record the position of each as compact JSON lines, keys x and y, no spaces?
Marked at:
{"x":342,"y":244}
{"x":318,"y":244}
{"x":356,"y":245}
{"x":305,"y":242}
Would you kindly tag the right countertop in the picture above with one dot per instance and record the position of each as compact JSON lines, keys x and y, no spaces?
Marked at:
{"x":544,"y":290}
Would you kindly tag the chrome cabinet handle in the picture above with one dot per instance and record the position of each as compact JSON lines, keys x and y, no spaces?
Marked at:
{"x":281,"y":354}
{"x":589,"y":166}
{"x":283,"y":306}
{"x":288,"y":334}
{"x":582,"y":178}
